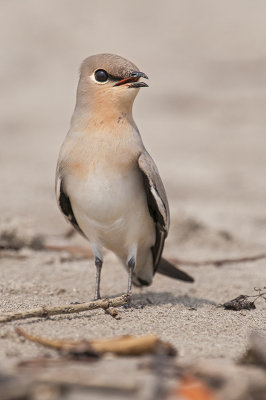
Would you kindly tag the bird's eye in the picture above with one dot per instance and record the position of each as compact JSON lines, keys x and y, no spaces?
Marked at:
{"x":101,"y":75}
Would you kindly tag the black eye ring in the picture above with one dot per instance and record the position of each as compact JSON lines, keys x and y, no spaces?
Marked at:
{"x":101,"y":75}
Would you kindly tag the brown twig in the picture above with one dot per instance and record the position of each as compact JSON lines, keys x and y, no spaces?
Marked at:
{"x":131,"y":345}
{"x":83,"y":252}
{"x":86,"y":253}
{"x":113,"y":312}
{"x":220,"y":262}
{"x":47,"y":311}
{"x":73,"y":250}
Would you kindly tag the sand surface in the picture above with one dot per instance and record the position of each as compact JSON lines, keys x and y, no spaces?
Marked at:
{"x":202,"y":119}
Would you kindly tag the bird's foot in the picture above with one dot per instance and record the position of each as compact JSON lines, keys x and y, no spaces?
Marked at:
{"x":129,"y":300}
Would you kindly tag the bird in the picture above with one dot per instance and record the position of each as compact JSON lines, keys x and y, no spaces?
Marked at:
{"x":107,"y":185}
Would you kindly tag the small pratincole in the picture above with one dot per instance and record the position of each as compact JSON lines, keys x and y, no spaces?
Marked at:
{"x":107,"y":184}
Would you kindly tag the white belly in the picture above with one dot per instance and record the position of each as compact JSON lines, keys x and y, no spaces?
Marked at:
{"x":111,"y":209}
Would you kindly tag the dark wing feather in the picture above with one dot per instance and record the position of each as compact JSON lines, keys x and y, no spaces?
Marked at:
{"x":64,"y":204}
{"x":157,"y":203}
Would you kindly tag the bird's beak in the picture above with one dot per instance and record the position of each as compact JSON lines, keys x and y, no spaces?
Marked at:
{"x":133,"y":80}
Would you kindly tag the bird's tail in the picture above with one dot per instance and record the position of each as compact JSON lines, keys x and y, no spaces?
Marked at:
{"x":166,"y":268}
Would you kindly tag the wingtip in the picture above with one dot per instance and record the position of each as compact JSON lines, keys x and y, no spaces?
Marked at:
{"x":170,"y":270}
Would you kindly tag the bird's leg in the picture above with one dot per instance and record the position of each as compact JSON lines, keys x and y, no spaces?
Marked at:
{"x":98,"y":264}
{"x":131,"y":265}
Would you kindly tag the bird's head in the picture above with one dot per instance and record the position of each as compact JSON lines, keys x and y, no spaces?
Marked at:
{"x":108,"y":80}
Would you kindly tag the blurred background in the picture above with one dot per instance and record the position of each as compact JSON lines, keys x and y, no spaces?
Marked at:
{"x":203,"y":117}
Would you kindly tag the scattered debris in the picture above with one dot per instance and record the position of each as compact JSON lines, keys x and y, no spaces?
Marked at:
{"x":239,"y":303}
{"x":121,"y":346}
{"x":17,"y":232}
{"x":187,"y":228}
{"x":17,"y":236}
{"x":59,"y":383}
{"x":41,"y":362}
{"x":218,"y":263}
{"x":45,"y":311}
{"x":162,"y":367}
{"x":15,"y":388}
{"x":256,"y":354}
{"x":113,"y":312}
{"x":70,"y":233}
{"x":193,"y":388}
{"x":242,"y":302}
{"x":68,"y":381}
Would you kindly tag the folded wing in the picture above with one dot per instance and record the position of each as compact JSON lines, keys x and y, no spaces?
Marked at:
{"x":159,"y":211}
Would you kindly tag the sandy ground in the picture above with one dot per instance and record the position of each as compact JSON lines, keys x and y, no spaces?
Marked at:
{"x":202,"y":119}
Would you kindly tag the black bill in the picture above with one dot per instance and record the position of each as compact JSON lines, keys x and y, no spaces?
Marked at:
{"x":133,"y":80}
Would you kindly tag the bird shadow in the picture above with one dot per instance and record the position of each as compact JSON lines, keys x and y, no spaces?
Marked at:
{"x":153,"y":299}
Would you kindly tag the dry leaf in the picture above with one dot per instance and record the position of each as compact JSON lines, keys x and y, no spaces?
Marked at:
{"x":239,"y":303}
{"x":122,"y":346}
